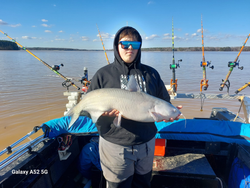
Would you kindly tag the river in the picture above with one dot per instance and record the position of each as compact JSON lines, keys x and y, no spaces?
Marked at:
{"x":31,"y":94}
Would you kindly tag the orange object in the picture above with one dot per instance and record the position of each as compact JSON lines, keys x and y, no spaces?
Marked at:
{"x":171,"y":84}
{"x":160,"y":146}
{"x":204,"y":64}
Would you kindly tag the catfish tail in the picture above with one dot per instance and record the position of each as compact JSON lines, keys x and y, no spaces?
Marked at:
{"x":73,"y":114}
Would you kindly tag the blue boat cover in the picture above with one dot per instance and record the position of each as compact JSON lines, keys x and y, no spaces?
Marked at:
{"x":205,"y":130}
{"x":190,"y":129}
{"x":60,"y":126}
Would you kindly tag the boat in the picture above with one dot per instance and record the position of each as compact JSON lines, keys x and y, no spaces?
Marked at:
{"x":198,"y":152}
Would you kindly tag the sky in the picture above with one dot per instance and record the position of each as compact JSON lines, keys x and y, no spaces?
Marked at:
{"x":73,"y":23}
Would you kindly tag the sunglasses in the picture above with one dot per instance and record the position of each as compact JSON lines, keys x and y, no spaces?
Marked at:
{"x":135,"y":44}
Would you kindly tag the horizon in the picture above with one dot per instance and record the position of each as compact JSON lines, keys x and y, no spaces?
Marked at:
{"x":232,"y":47}
{"x":58,"y":24}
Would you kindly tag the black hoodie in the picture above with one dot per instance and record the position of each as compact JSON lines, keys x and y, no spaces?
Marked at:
{"x":115,"y":76}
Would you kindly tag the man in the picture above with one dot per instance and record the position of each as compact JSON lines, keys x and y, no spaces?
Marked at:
{"x":126,"y":152}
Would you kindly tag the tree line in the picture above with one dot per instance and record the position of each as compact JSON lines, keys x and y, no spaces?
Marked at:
{"x":9,"y":45}
{"x":246,"y":48}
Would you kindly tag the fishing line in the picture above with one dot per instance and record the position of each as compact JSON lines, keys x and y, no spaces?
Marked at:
{"x":55,"y":68}
{"x":185,"y":120}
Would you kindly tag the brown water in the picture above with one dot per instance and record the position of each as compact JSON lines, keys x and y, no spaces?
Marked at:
{"x":31,"y":94}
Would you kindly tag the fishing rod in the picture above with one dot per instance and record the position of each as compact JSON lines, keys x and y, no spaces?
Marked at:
{"x":232,"y":65}
{"x":243,"y":87}
{"x":102,"y":44}
{"x":173,"y":66}
{"x":55,"y":68}
{"x":204,"y":64}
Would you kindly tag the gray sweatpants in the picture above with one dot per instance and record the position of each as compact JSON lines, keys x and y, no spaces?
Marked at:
{"x":122,"y":164}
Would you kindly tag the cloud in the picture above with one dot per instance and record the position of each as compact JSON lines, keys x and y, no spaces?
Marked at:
{"x":3,"y":23}
{"x":46,"y":25}
{"x":27,"y":37}
{"x":167,"y":36}
{"x":178,"y":38}
{"x":151,"y":2}
{"x":17,"y":25}
{"x":33,"y":26}
{"x":213,"y":38}
{"x":194,"y":35}
{"x":95,"y":40}
{"x":60,"y":31}
{"x":106,"y":36}
{"x":204,"y":30}
{"x":57,"y":39}
{"x":43,"y":20}
{"x":48,"y":31}
{"x":151,"y":37}
{"x":84,"y":38}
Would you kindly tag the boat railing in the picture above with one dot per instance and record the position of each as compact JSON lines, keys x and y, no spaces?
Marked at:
{"x":10,"y":148}
{"x":22,"y":149}
{"x":27,"y":147}
{"x":207,"y":96}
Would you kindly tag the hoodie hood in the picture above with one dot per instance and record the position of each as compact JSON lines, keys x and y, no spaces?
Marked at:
{"x":118,"y":60}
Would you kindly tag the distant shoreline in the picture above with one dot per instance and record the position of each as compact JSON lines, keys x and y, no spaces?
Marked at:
{"x":9,"y":45}
{"x":181,"y":49}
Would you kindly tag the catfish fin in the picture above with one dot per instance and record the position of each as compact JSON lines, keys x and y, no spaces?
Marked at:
{"x":95,"y":115}
{"x":117,"y":120}
{"x":74,"y":117}
{"x":154,"y":115}
{"x":132,"y":84}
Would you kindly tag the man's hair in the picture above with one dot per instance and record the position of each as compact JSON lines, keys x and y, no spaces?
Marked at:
{"x":130,"y":32}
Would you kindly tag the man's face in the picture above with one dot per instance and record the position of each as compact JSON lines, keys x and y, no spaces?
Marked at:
{"x":127,"y":55}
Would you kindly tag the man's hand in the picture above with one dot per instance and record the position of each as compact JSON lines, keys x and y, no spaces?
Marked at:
{"x":111,"y":113}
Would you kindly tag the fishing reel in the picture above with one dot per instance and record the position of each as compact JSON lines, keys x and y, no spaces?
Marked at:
{"x":204,"y":84}
{"x":56,"y":67}
{"x":206,"y":64}
{"x":84,"y":80}
{"x":85,"y":75}
{"x":67,"y":83}
{"x":175,"y":66}
{"x":234,"y":64}
{"x":227,"y":84}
